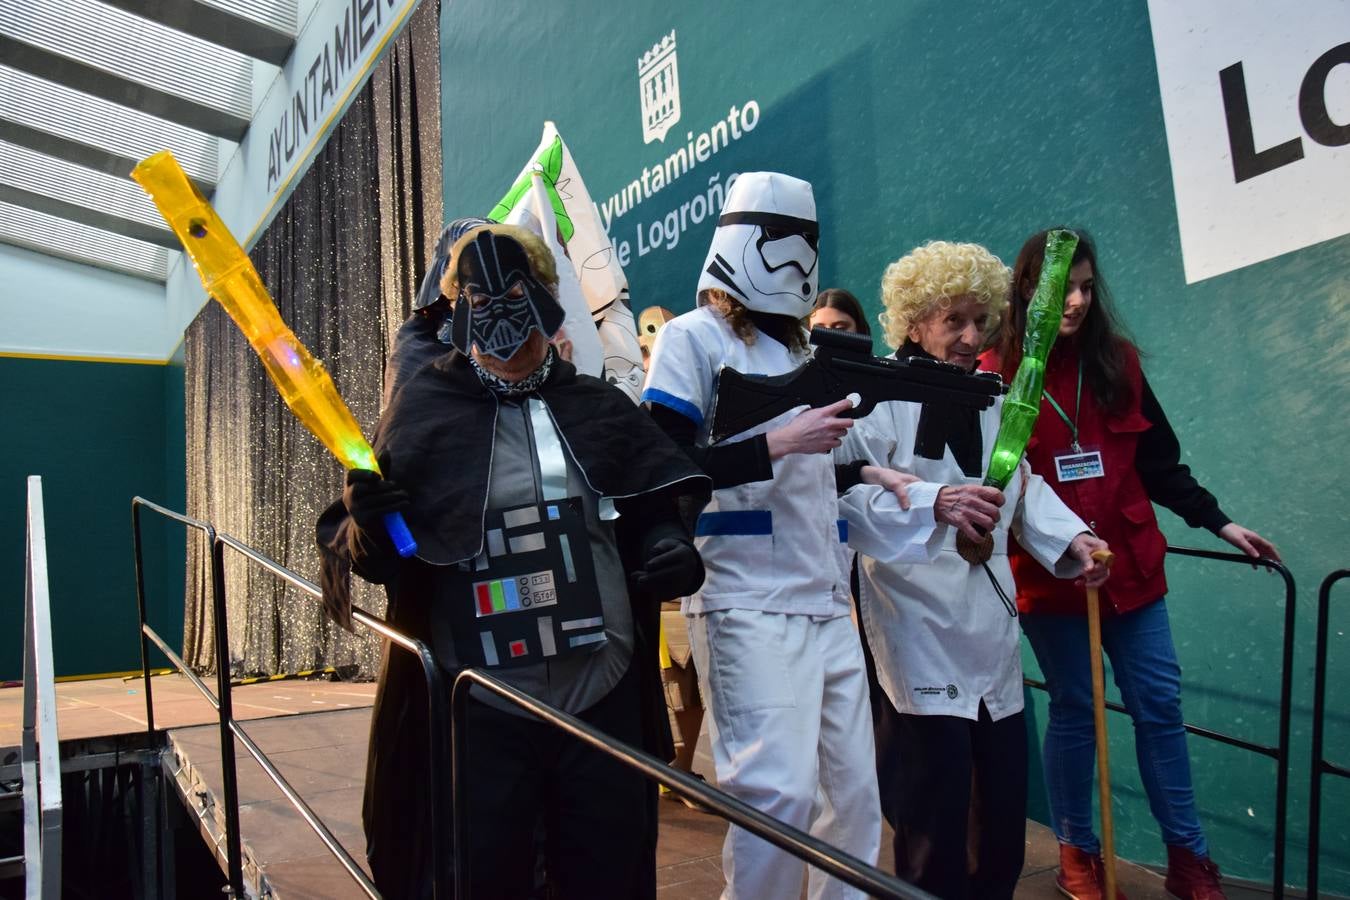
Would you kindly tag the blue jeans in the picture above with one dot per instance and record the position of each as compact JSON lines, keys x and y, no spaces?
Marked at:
{"x":1144,"y":662}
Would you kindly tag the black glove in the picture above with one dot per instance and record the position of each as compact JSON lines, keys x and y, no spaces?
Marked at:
{"x":672,"y":569}
{"x":369,"y":498}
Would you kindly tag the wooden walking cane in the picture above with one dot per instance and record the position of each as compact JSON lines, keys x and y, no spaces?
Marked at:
{"x":1106,"y":557}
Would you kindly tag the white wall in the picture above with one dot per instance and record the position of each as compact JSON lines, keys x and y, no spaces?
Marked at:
{"x":245,"y":197}
{"x":52,"y":307}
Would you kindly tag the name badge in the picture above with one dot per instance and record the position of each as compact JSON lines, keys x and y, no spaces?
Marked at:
{"x":1079,"y":466}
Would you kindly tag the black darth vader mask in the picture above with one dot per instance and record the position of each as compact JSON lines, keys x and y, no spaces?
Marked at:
{"x":500,"y":300}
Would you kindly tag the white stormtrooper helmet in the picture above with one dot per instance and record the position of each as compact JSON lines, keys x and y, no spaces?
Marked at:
{"x":765,"y":248}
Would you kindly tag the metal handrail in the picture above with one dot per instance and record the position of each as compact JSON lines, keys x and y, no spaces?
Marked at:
{"x":220,"y":701}
{"x":40,"y":757}
{"x":800,"y":844}
{"x":794,"y":841}
{"x":1320,"y":765}
{"x":1279,"y":752}
{"x":435,"y":689}
{"x":230,"y":729}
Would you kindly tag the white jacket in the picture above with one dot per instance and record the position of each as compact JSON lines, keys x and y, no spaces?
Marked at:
{"x":942,"y":638}
{"x":774,"y":545}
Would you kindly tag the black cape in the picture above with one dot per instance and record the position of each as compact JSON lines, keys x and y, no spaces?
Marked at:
{"x":433,"y":441}
{"x":439,"y":425}
{"x":415,"y":344}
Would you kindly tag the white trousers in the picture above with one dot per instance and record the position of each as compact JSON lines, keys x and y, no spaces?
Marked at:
{"x":791,"y":736}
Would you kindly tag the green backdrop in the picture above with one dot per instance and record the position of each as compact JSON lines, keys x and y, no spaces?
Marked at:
{"x":984,"y":122}
{"x":98,"y":433}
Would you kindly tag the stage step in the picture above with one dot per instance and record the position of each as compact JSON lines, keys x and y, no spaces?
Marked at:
{"x":323,"y":754}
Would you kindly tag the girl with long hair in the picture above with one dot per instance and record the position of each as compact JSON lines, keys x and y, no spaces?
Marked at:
{"x":1105,"y":446}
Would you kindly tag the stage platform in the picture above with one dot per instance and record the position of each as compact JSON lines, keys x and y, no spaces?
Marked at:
{"x":104,"y":707}
{"x":315,"y":732}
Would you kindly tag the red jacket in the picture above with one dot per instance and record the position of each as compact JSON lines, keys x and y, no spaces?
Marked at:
{"x":1116,"y":507}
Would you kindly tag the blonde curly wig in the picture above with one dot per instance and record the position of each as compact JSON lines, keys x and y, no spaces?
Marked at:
{"x":932,"y":277}
{"x":541,"y":257}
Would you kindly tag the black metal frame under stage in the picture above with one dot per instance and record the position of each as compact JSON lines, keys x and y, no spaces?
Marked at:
{"x":230,"y":728}
{"x":1279,"y":752}
{"x":1320,"y":764}
{"x":798,"y":843}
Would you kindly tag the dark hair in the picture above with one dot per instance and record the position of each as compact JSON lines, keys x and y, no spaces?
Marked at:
{"x":846,"y":303}
{"x":1101,"y":339}
{"x":737,"y":315}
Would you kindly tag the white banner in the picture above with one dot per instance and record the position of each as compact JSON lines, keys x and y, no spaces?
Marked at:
{"x":561,"y":199}
{"x":534,"y":211}
{"x":1256,"y":99}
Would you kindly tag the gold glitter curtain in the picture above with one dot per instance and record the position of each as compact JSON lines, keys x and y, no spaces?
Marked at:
{"x":342,"y":259}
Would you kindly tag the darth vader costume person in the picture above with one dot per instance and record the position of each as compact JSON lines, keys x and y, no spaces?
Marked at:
{"x":546,"y":508}
{"x":424,"y":335}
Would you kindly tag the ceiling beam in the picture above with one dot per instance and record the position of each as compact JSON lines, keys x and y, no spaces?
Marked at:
{"x":154,"y":277}
{"x":130,"y":228}
{"x":210,"y":23}
{"x":81,"y":154}
{"x":92,"y":80}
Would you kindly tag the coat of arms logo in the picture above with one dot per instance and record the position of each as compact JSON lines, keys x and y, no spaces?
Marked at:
{"x":659,"y":87}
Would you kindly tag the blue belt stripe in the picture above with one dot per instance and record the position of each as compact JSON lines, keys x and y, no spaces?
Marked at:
{"x":679,"y":404}
{"x":843,"y":530}
{"x":739,"y":521}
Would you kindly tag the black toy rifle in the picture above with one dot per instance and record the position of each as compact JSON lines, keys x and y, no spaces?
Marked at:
{"x":843,"y":365}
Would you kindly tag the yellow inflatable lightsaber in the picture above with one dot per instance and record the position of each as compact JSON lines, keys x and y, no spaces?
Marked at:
{"x":228,"y":275}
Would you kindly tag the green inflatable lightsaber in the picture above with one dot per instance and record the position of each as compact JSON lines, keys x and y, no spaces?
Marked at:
{"x":1023,"y":403}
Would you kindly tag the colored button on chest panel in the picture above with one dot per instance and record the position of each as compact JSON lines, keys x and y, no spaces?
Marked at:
{"x":519,"y":592}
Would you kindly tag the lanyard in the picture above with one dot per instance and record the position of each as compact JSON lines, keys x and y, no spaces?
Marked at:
{"x":1077,"y":407}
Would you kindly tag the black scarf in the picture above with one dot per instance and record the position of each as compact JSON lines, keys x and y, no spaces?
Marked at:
{"x":514,"y":389}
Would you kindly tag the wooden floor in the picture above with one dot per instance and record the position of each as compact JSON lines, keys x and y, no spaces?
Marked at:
{"x":323,"y":759}
{"x":315,"y":732}
{"x":109,"y":706}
